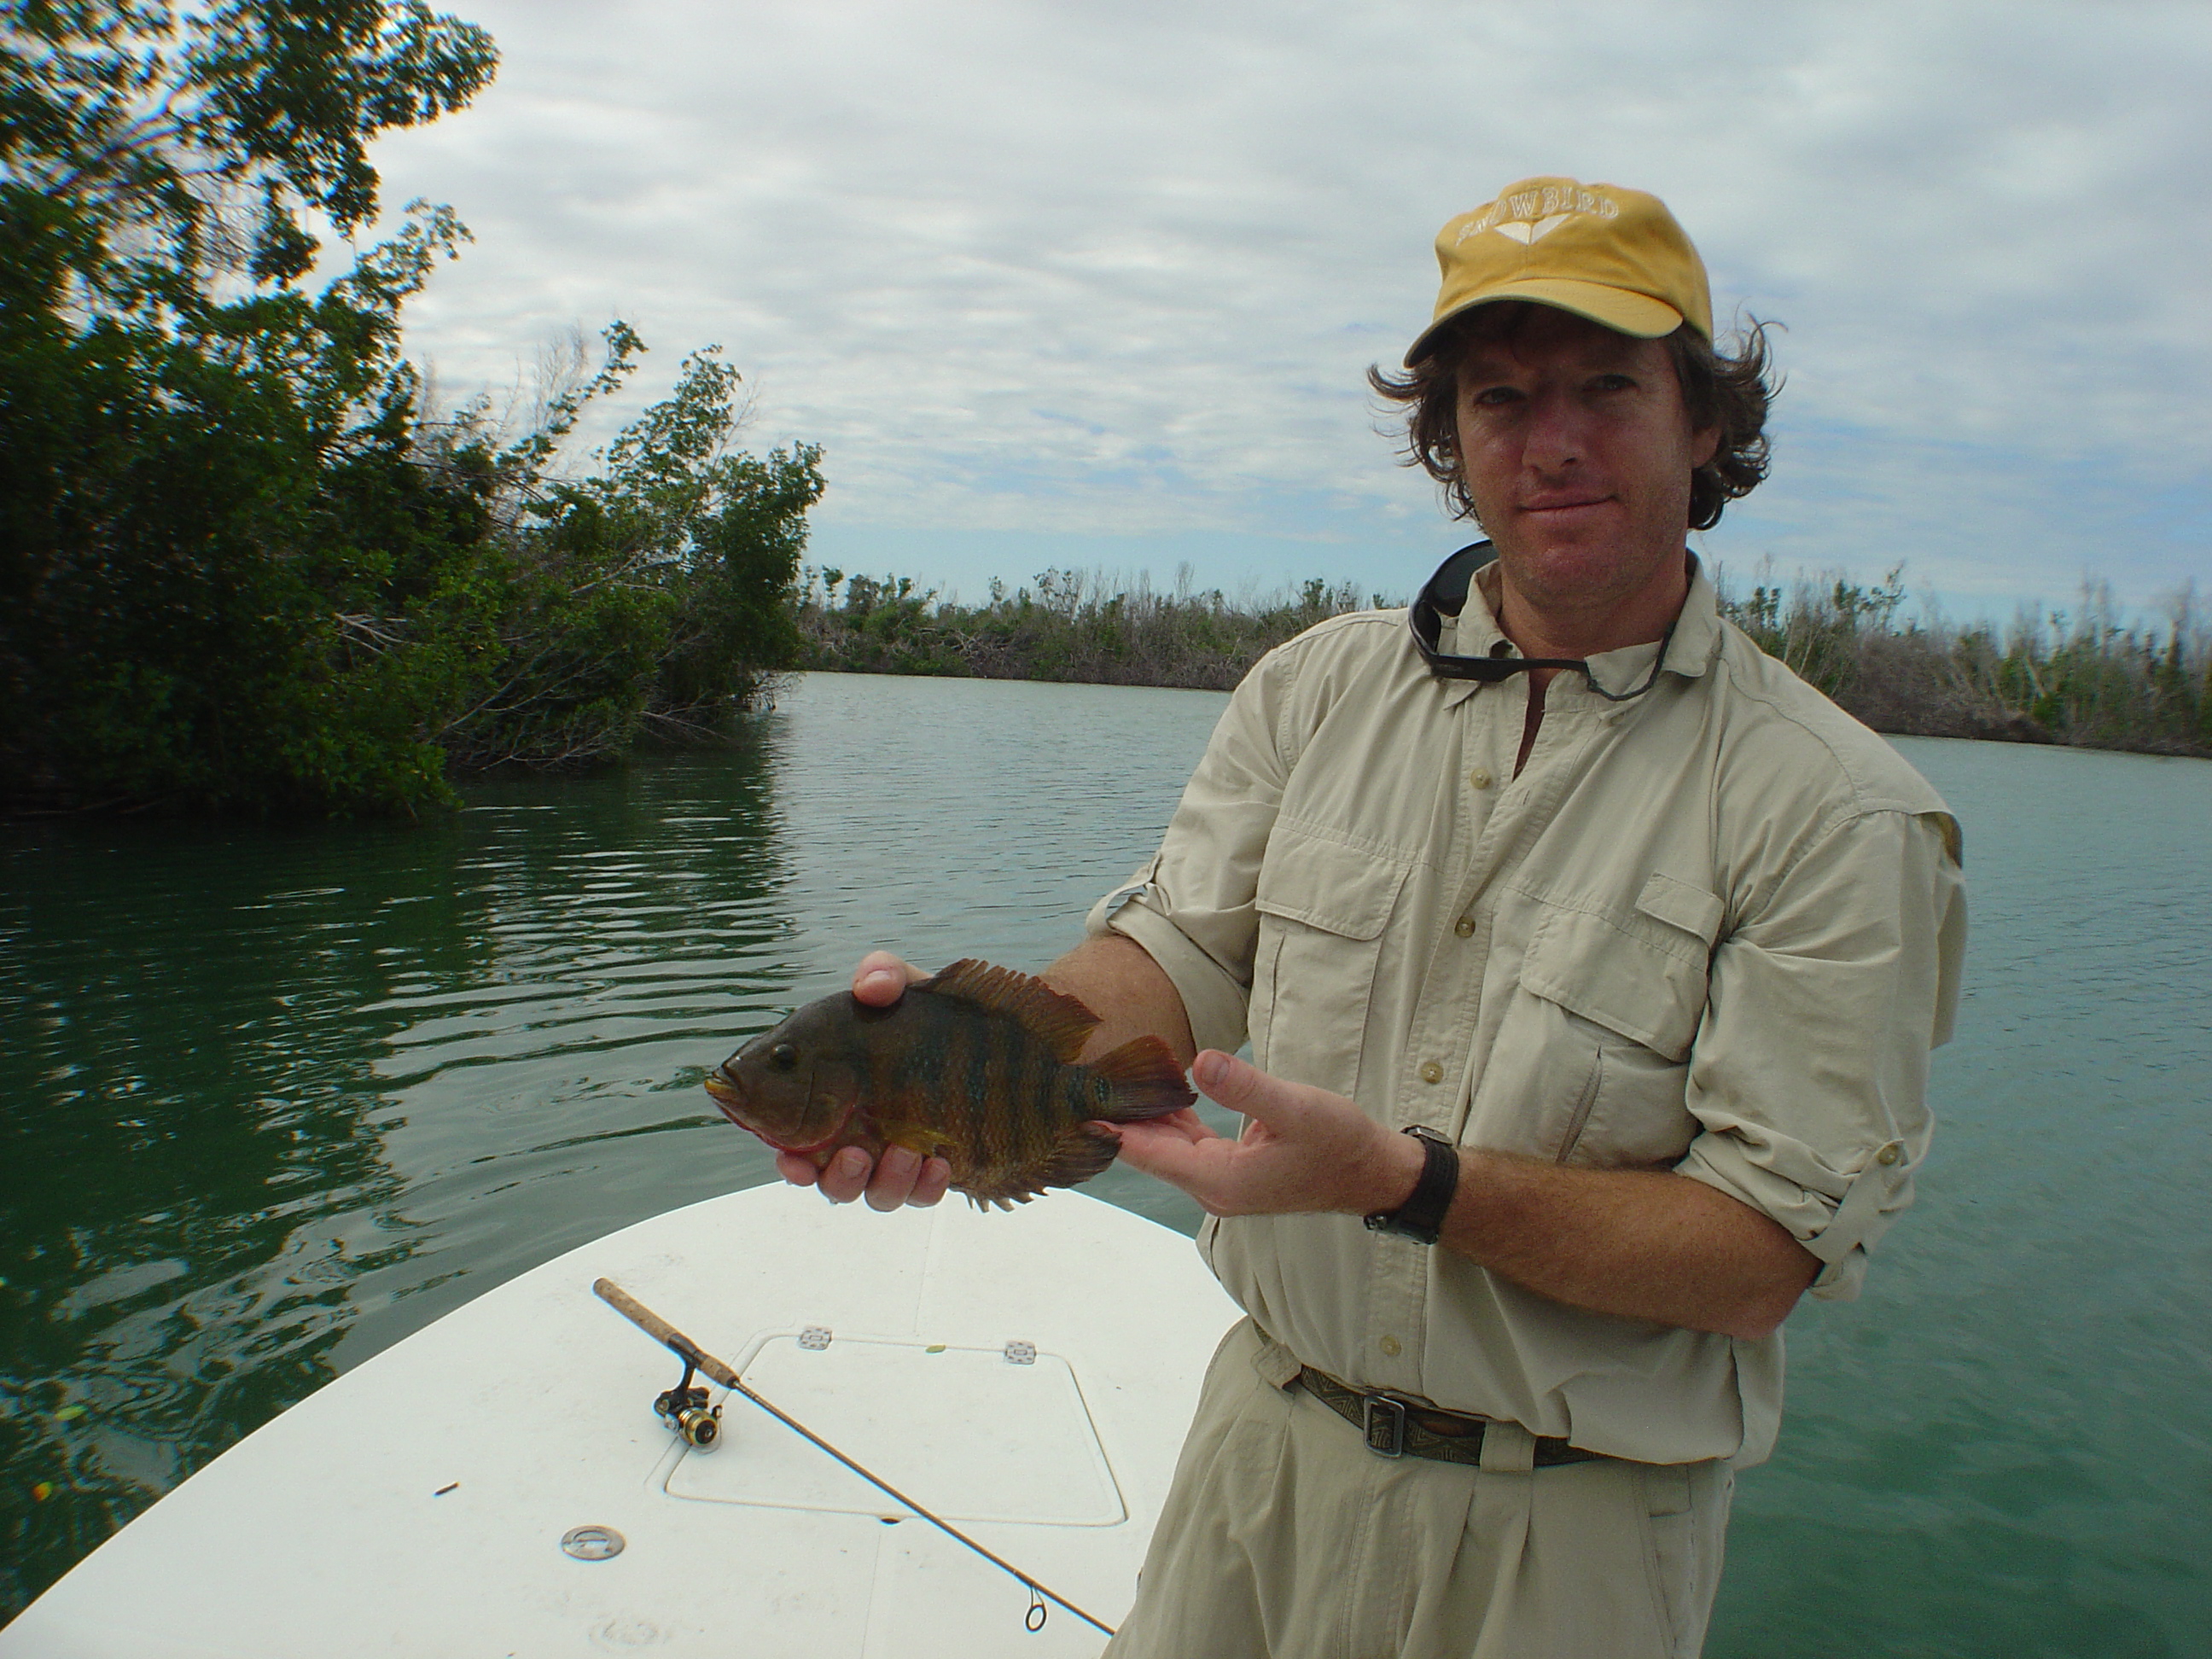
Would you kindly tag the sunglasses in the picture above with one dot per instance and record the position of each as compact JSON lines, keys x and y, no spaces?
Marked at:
{"x":1445,"y":595}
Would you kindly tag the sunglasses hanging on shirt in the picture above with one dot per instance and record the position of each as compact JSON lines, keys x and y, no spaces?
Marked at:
{"x":1445,"y":595}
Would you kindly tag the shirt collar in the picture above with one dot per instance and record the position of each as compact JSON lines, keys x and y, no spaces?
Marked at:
{"x":1473,"y":632}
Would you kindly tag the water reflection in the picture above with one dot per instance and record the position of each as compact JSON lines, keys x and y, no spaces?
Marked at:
{"x":272,"y":1099}
{"x":191,"y":1180}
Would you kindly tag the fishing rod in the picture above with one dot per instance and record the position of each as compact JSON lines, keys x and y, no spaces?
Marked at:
{"x":696,"y":1358}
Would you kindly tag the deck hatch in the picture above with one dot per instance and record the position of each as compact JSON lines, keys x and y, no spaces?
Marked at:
{"x":954,"y":1425}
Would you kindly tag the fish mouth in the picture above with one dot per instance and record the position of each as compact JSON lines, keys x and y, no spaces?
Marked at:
{"x":727,"y":1093}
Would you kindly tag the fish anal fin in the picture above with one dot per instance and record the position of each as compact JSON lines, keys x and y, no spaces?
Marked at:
{"x":1059,"y":1021}
{"x":987,"y":1202}
{"x":1080,"y":1153}
{"x":1147,"y":1079}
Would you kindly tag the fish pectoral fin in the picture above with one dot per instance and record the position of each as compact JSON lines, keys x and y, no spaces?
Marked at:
{"x":1059,"y":1021}
{"x":1146,"y":1078}
{"x":930,"y":1143}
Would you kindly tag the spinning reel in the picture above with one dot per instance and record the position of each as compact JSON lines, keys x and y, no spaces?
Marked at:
{"x":684,"y":1409}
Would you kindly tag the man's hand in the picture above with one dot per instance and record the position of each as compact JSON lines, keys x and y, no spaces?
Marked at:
{"x":1641,"y":1243}
{"x":1303,"y":1149}
{"x":900,"y":1176}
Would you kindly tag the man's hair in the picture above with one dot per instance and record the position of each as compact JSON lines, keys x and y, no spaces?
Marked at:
{"x":1728,"y":391}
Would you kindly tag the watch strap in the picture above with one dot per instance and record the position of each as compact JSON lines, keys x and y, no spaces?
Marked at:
{"x":1421,"y":1216}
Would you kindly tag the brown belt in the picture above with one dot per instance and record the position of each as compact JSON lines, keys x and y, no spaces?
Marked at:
{"x":1394,"y":1426}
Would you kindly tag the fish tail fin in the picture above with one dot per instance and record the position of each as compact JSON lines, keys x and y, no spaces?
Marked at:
{"x":1147,"y":1079}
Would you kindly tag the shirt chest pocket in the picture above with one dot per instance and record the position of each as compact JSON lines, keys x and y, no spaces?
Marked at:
{"x":1323,"y":908}
{"x":1597,"y":1043}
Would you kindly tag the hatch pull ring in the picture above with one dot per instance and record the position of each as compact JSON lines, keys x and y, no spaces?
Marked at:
{"x":684,"y":1409}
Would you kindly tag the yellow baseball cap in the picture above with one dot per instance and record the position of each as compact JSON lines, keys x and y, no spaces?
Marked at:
{"x":1614,"y":256}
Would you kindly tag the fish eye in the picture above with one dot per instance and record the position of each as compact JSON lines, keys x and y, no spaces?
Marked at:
{"x":783,"y":1056}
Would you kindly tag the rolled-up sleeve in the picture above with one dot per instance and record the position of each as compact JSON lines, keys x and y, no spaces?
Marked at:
{"x":1810,"y":1072}
{"x":1191,"y":906}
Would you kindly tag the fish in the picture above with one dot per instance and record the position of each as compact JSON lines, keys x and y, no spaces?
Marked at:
{"x":975,"y":1064}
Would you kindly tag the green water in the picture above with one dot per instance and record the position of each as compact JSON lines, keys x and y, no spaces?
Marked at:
{"x":271,"y":1100}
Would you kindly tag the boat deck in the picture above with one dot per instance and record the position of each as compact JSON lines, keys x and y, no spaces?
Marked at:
{"x":1028,"y":1375}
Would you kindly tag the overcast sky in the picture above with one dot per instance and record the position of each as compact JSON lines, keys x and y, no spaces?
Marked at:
{"x":1093,"y":285}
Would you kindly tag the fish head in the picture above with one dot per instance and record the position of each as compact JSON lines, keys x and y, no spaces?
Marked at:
{"x":796,"y":1087}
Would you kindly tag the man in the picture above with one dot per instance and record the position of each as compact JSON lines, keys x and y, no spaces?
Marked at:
{"x":1646,"y":939}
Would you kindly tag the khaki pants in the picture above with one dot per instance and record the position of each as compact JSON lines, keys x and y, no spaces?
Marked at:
{"x":1284,"y":1537}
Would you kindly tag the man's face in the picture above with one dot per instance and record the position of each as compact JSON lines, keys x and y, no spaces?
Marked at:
{"x":1578,"y":451}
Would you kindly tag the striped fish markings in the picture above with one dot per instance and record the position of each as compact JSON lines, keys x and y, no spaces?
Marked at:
{"x":976,"y":1065}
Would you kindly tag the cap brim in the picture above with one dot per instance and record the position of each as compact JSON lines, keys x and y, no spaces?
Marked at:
{"x":1617,"y":308}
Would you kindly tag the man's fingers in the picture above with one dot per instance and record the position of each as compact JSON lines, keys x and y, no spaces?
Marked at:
{"x":1186,"y":1124}
{"x":899,"y":1176}
{"x":931,"y":1184}
{"x":1160,"y":1148}
{"x":1201,"y":1165}
{"x":882,"y":978}
{"x":892,"y":1184}
{"x":845,"y":1177}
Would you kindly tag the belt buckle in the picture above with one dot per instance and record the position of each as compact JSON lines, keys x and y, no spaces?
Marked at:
{"x":1382,"y":1424}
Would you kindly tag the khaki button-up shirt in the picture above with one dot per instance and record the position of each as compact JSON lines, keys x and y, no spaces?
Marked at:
{"x":1715,"y":928}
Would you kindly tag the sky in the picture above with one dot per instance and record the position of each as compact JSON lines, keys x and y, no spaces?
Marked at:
{"x":1094,"y":285}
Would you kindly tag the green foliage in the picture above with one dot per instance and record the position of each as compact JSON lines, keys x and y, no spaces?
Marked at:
{"x":1817,"y":635}
{"x":647,"y":595}
{"x":240,"y":567}
{"x":2093,"y":680}
{"x":1071,"y":627}
{"x":2089,"y":680}
{"x":184,"y":143}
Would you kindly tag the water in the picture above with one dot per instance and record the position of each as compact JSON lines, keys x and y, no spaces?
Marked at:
{"x":271,"y":1100}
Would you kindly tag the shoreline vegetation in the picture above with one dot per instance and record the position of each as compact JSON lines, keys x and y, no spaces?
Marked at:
{"x":2084,"y":677}
{"x":249,"y":562}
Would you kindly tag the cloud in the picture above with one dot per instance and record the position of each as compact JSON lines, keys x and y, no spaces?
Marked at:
{"x":1069,"y":270}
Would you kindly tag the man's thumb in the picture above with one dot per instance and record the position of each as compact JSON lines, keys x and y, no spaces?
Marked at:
{"x":1229,"y":1081}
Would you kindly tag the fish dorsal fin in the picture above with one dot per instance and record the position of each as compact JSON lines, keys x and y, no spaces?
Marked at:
{"x":1060,"y":1022}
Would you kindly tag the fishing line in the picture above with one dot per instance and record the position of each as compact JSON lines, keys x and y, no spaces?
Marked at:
{"x":692,"y":1354}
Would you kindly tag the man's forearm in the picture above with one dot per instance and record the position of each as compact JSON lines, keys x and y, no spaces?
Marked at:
{"x":1645,"y":1244}
{"x":1118,"y":981}
{"x":1640,"y":1243}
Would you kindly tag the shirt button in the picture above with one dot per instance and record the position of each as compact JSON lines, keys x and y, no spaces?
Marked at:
{"x":1480,"y":778}
{"x":1389,"y":1345}
{"x":1431,"y":1072}
{"x":1464,"y":927}
{"x":1888,"y":1154}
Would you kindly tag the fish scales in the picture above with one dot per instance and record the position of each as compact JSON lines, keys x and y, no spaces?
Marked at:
{"x":976,"y":1065}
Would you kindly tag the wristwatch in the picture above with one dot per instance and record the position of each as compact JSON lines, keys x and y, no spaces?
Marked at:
{"x":1421,"y":1216}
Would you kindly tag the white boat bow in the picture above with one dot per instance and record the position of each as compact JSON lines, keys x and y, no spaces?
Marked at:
{"x":1026,"y":1376}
